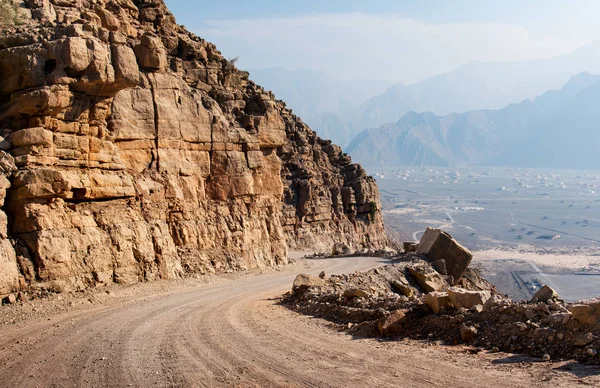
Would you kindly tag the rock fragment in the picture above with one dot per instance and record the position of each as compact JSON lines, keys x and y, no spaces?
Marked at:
{"x":392,"y":324}
{"x":306,"y":281}
{"x":355,"y":293}
{"x":545,"y":294}
{"x":468,"y":333}
{"x":584,"y":339}
{"x":437,"y":301}
{"x":402,"y":288}
{"x":467,"y":299}
{"x":10,"y":299}
{"x":428,"y":279}
{"x":585,"y":313}
{"x":410,"y":246}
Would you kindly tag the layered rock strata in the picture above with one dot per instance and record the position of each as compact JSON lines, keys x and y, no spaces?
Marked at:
{"x":132,"y":150}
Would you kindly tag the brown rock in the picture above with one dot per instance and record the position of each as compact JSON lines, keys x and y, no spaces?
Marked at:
{"x":132,"y":150}
{"x":544,"y":294}
{"x":468,"y":333}
{"x":467,"y":299}
{"x":584,"y":339}
{"x":410,"y":246}
{"x":427,"y":240}
{"x":428,"y":279}
{"x":437,"y":301}
{"x":439,"y":245}
{"x":151,"y":54}
{"x":340,"y":249}
{"x":495,"y":301}
{"x":10,"y":299}
{"x":392,"y":324}
{"x":355,"y":293}
{"x":306,"y":281}
{"x":585,"y":313}
{"x":403,"y":289}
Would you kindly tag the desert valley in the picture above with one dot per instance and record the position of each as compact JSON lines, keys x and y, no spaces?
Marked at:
{"x":168,"y":219}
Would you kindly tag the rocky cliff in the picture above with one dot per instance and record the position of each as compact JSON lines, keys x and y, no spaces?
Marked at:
{"x":132,"y":150}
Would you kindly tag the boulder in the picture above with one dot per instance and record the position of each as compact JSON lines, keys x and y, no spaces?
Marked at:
{"x":392,"y":324}
{"x":586,"y":314}
{"x":467,"y":299}
{"x":428,"y":279}
{"x":468,"y":333}
{"x":439,"y":245}
{"x":427,"y":240}
{"x":401,"y":288}
{"x":410,"y":246}
{"x":9,"y":299}
{"x":544,"y":294}
{"x":438,"y":301}
{"x":340,"y":249}
{"x":307,"y":281}
{"x":495,"y":301}
{"x":457,"y":258}
{"x":440,"y":266}
{"x":355,"y":293}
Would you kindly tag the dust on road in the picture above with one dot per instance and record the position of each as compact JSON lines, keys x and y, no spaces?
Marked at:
{"x":233,"y":333}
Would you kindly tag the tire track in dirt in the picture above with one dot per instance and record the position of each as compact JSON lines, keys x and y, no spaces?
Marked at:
{"x":233,"y":334}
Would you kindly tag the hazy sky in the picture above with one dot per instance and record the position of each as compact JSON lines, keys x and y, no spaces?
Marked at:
{"x":400,"y":41}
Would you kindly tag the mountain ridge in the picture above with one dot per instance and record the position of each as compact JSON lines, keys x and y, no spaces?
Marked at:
{"x":472,"y":86}
{"x":494,"y":137}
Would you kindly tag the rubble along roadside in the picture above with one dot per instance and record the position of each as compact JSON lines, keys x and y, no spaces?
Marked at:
{"x":431,"y":293}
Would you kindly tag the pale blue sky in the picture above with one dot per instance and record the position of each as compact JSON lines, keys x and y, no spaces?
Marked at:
{"x":394,"y":40}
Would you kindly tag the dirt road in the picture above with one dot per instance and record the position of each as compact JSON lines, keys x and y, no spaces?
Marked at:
{"x":233,"y":333}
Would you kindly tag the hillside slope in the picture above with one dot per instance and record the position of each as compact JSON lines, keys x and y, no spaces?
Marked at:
{"x":132,"y":150}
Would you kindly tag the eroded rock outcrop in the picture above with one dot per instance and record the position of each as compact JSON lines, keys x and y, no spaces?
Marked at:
{"x":132,"y":150}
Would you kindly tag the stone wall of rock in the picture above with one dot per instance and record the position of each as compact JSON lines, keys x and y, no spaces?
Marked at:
{"x":132,"y":150}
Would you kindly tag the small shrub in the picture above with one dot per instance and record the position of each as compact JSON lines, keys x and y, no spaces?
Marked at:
{"x":373,"y":206}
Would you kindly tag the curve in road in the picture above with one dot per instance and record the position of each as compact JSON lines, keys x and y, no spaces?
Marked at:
{"x":232,"y":334}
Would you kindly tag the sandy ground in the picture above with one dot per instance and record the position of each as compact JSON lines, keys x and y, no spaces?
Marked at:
{"x":555,"y":261}
{"x":230,"y":331}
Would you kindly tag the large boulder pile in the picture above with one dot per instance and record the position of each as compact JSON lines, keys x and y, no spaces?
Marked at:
{"x":411,"y":298}
{"x":133,"y":150}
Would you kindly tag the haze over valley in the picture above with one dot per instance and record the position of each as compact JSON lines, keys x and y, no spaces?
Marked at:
{"x":340,"y":110}
{"x":308,"y":193}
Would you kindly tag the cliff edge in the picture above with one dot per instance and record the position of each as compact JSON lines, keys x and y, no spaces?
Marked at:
{"x":131,"y":150}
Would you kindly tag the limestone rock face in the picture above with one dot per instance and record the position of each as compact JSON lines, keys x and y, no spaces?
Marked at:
{"x":131,"y":150}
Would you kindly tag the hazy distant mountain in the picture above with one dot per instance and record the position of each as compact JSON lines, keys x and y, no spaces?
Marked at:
{"x":560,"y":128}
{"x":318,"y":97}
{"x":340,"y":110}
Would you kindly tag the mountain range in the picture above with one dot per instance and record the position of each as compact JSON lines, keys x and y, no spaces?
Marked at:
{"x":560,"y":128}
{"x":339,"y":110}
